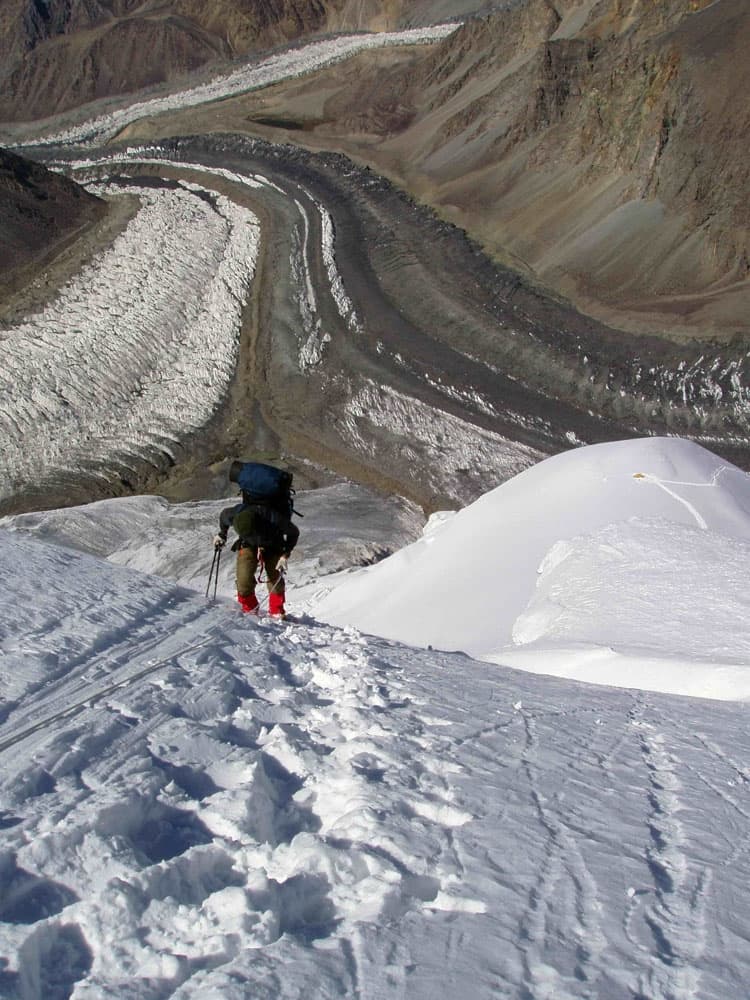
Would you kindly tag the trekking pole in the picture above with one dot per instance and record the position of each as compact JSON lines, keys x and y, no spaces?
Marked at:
{"x":214,"y":563}
{"x":211,"y":573}
{"x":216,"y":580}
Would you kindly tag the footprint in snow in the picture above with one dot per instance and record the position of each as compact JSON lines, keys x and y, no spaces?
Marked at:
{"x":51,"y":961}
{"x":26,"y":898}
{"x":156,"y":831}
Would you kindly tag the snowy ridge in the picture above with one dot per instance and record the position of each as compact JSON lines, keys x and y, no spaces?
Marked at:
{"x":286,"y":65}
{"x":137,"y":349}
{"x":620,"y":563}
{"x":197,"y":809}
{"x":175,"y":541}
{"x":194,"y":804}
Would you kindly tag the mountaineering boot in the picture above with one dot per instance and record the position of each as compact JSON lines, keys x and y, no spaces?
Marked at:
{"x":248,"y":603}
{"x":276,"y":606}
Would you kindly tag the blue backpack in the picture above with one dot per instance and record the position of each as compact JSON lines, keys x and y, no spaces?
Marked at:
{"x":265,"y":485}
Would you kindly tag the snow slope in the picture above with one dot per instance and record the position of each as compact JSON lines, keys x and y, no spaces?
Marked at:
{"x":198,"y":805}
{"x":621,"y":563}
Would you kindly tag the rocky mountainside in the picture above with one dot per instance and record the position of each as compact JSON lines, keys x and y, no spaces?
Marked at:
{"x":39,"y":212}
{"x":602,"y":143}
{"x":597,"y":145}
{"x":60,"y":54}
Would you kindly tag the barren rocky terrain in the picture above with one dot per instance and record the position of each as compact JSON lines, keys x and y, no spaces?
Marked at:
{"x":597,"y":147}
{"x":59,"y":55}
{"x":62,"y":55}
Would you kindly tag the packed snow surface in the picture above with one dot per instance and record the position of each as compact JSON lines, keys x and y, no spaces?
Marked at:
{"x":621,"y":563}
{"x":198,"y":804}
{"x":195,"y":804}
{"x":344,"y":525}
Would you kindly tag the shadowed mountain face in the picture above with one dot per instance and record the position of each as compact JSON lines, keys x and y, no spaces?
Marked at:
{"x":39,"y":211}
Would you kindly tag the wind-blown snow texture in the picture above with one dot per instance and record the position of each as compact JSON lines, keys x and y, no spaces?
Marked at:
{"x":197,"y":804}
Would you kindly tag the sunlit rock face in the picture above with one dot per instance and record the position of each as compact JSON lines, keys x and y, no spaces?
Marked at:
{"x":596,"y":145}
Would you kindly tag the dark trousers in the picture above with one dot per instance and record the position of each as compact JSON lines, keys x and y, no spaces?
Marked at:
{"x":247,"y":567}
